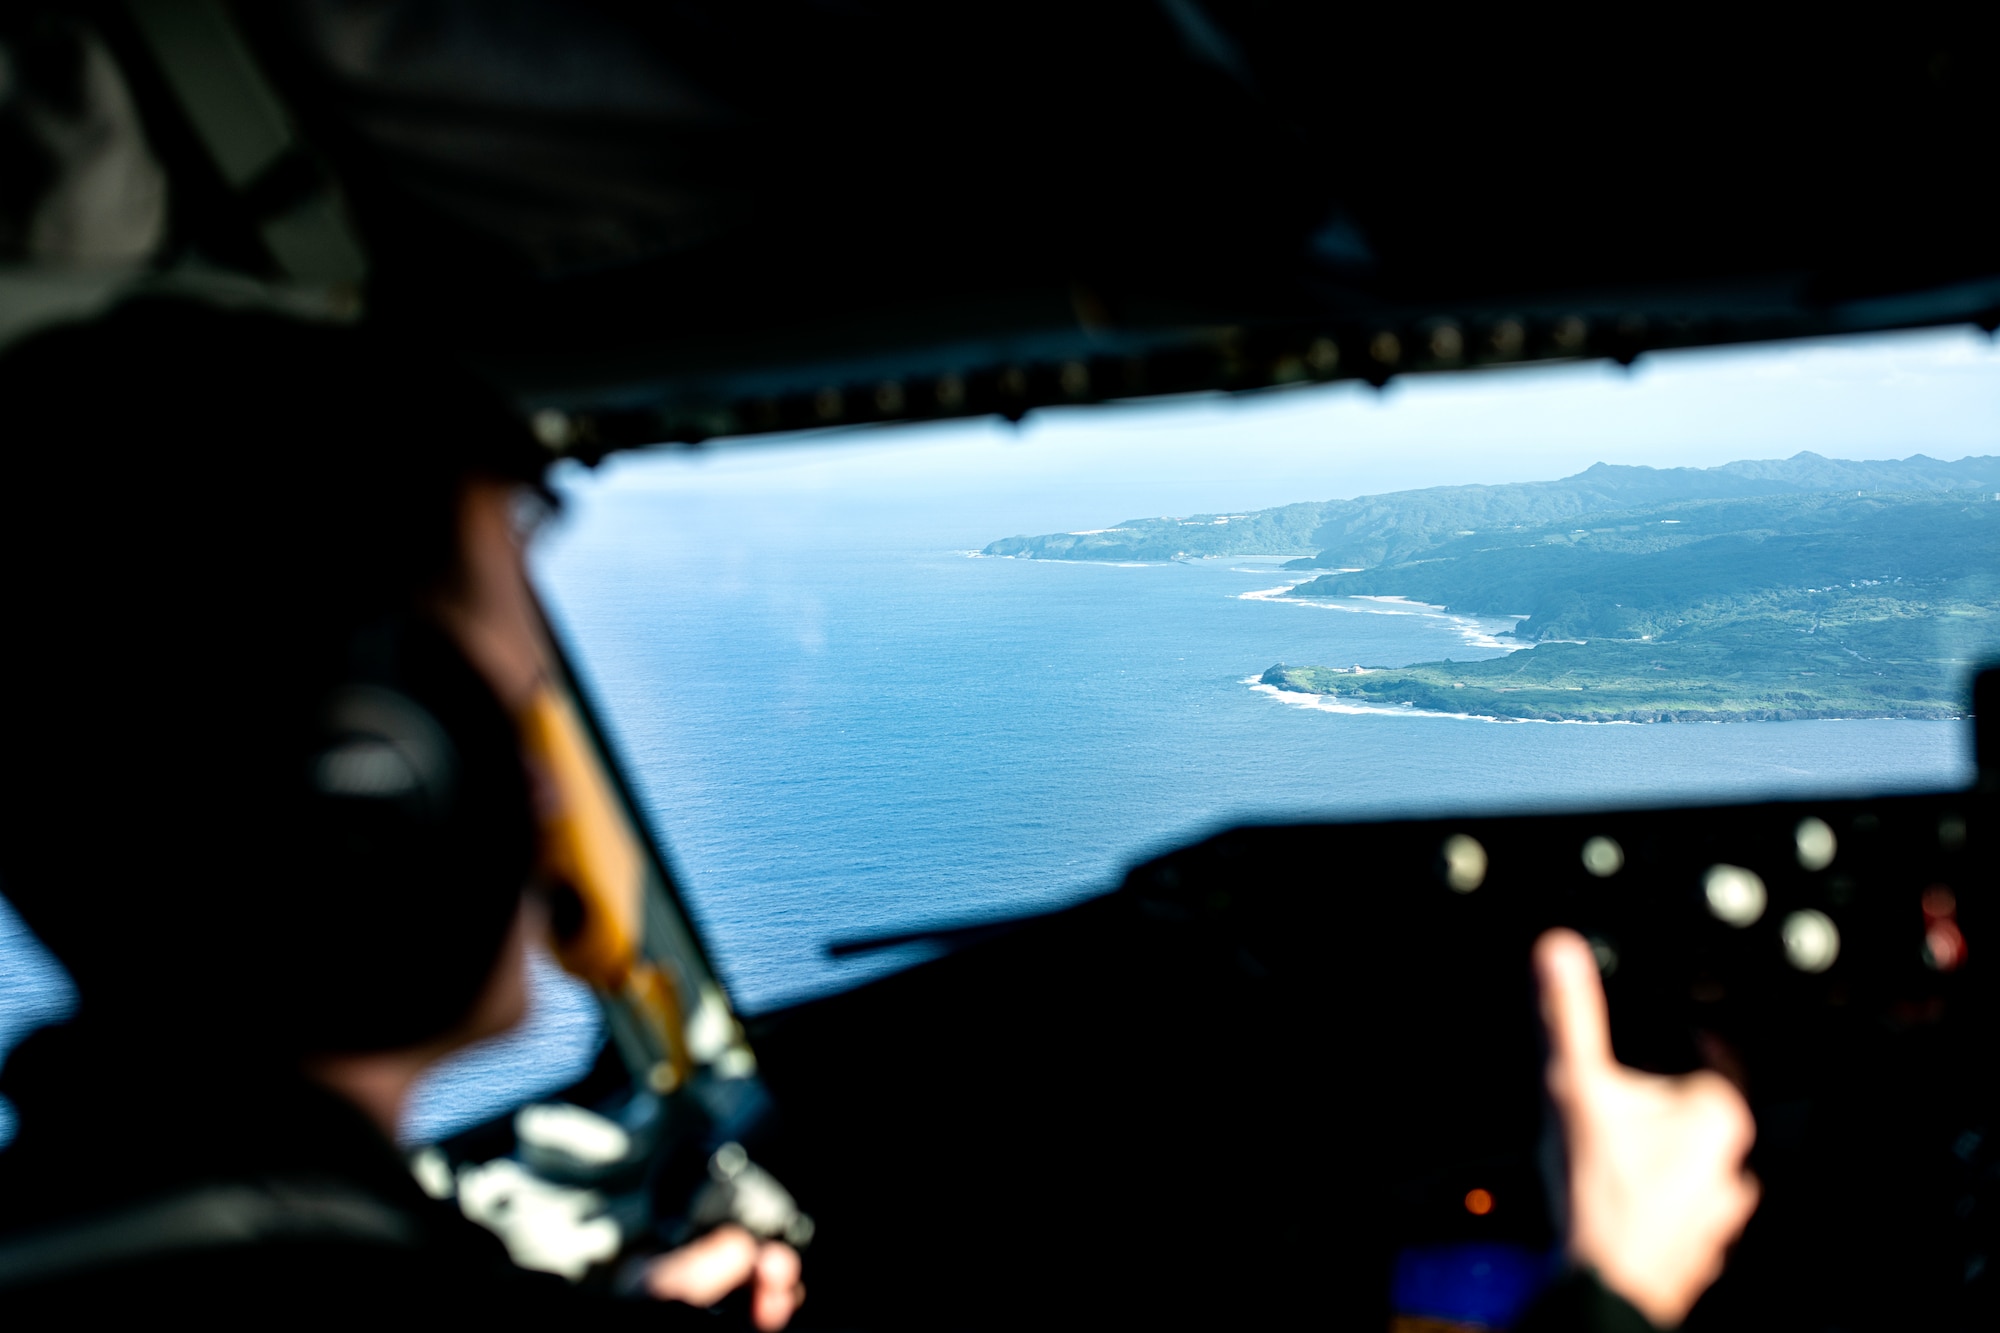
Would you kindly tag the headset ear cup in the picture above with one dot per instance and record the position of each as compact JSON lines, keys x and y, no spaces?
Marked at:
{"x":384,"y":747}
{"x":422,"y":835}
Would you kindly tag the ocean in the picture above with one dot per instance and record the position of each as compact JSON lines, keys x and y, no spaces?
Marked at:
{"x":846,"y":732}
{"x":842,"y":723}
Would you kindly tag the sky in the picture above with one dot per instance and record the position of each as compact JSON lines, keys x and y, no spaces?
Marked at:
{"x":1934,"y":392}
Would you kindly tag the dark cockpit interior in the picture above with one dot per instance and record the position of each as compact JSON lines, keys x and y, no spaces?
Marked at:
{"x":1289,"y":1048}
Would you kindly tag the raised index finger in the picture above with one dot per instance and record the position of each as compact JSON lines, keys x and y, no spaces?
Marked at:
{"x":1573,"y":1009}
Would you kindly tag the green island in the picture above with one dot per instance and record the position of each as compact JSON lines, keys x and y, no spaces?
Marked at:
{"x":1811,"y":606}
{"x":1763,"y":591}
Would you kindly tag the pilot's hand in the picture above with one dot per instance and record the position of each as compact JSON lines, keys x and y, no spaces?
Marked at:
{"x":703,"y":1271}
{"x":1658,"y":1190}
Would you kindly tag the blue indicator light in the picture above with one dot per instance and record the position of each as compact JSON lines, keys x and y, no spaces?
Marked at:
{"x":1485,"y":1283}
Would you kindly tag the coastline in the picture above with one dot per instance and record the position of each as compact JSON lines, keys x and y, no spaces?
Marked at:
{"x":1422,"y":690}
{"x":1327,"y":703}
{"x":1474,"y":631}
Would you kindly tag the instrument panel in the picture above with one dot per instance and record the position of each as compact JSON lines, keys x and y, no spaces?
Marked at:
{"x":1312,"y":1052}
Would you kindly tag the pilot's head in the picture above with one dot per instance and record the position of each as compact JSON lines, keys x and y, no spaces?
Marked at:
{"x":262,"y":789}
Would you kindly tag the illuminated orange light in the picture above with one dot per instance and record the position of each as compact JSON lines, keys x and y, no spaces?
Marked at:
{"x":1478,"y":1202}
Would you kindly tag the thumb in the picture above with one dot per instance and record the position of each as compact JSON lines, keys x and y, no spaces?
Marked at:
{"x":1573,"y":1009}
{"x":703,"y":1271}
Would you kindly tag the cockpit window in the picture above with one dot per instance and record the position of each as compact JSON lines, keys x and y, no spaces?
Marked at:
{"x":876,"y":682}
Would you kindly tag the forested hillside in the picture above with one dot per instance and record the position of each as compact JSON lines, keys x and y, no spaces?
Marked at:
{"x":1399,"y":525}
{"x":1832,"y":605}
{"x":1802,"y":587}
{"x":1647,"y":572}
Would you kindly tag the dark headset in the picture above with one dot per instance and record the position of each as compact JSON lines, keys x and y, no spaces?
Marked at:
{"x":419,"y":839}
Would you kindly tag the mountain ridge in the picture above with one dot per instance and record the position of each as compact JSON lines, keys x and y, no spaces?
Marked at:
{"x":1396,"y":525}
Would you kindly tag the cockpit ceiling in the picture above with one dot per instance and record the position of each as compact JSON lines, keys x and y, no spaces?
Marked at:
{"x":672,"y":222}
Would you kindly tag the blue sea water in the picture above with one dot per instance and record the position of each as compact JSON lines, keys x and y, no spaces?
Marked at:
{"x":843,"y":724}
{"x":848,"y":731}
